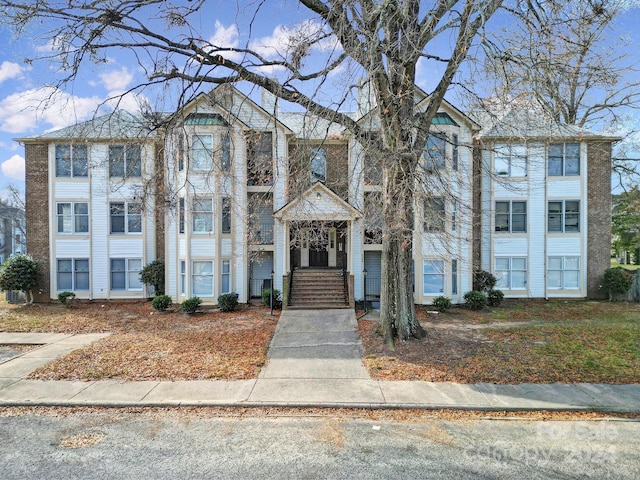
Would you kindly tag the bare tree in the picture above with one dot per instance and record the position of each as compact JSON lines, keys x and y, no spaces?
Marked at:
{"x":381,"y":40}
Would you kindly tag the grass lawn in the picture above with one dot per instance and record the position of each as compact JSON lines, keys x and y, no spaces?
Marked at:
{"x":633,"y":268}
{"x":148,"y":345}
{"x":520,"y":342}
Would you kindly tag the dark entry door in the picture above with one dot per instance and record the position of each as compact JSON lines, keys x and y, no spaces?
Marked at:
{"x":318,"y":257}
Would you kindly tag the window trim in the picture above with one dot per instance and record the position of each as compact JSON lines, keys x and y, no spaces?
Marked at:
{"x":509,"y":153}
{"x":126,"y":151}
{"x":73,"y":164}
{"x":74,"y":274}
{"x":442,"y":273}
{"x":437,"y":223}
{"x":563,"y":159}
{"x":127,"y":217}
{"x":207,"y":151}
{"x":435,"y":142}
{"x":563,"y":214}
{"x":510,"y":271}
{"x":195,"y":213}
{"x":127,"y":272}
{"x":74,"y":217}
{"x":207,"y":275}
{"x":510,"y":214}
{"x":563,"y":270}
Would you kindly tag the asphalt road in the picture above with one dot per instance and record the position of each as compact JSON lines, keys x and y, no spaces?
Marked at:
{"x":180,"y":445}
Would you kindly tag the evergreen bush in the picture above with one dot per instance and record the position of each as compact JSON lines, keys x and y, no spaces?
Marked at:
{"x":191,"y":305}
{"x":616,"y":281}
{"x":228,"y":302}
{"x":475,"y":300}
{"x":442,"y":303}
{"x":495,"y":297}
{"x":161,"y":302}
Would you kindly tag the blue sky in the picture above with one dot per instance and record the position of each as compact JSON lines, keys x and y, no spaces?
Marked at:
{"x":29,"y":104}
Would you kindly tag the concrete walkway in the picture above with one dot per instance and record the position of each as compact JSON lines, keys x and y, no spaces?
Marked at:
{"x":314,"y":361}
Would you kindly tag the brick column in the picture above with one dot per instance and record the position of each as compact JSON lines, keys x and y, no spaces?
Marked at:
{"x":37,"y":215}
{"x":598,"y":216}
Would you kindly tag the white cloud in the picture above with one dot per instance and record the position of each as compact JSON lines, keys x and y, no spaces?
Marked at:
{"x":13,"y":168}
{"x":226,"y":37}
{"x":116,"y":79}
{"x":24,"y":111}
{"x":10,"y":70}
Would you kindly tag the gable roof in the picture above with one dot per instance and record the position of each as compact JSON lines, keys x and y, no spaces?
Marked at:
{"x":117,"y":125}
{"x":527,"y":124}
{"x":317,"y":203}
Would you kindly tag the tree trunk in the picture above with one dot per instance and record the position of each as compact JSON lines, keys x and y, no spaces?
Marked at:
{"x":397,"y":308}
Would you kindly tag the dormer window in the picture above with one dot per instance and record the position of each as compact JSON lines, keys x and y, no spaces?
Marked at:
{"x":318,"y":165}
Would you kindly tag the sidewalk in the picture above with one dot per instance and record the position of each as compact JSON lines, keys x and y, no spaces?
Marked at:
{"x":314,"y":361}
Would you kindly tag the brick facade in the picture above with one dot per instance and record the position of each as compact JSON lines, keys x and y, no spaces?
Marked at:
{"x":598,"y":216}
{"x":37,"y":214}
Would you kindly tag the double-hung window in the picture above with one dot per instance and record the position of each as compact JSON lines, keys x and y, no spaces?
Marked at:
{"x":72,"y":274}
{"x":511,"y":217}
{"x":72,"y":161}
{"x":434,"y":153}
{"x":125,"y":161}
{"x":511,"y":273}
{"x":563,"y":159}
{"x":202,"y":152}
{"x":72,"y":217}
{"x":510,"y":160}
{"x":433,"y":277}
{"x":563,"y":216}
{"x":125,"y":274}
{"x":434,"y":214}
{"x":202,"y":278}
{"x":202,"y":214}
{"x":563,"y":273}
{"x":126,"y":217}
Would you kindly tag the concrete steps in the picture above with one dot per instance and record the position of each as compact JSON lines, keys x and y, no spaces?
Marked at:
{"x":318,"y":288}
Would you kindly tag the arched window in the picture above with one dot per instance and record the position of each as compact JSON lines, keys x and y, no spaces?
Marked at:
{"x":318,"y":165}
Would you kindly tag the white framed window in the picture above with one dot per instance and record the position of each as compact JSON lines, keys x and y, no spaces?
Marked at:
{"x":125,"y":274}
{"x":455,"y":151}
{"x":181,"y":215}
{"x":434,"y":214}
{"x":126,"y":217}
{"x":433,"y":277}
{"x":563,"y":216}
{"x":72,"y":217}
{"x":183,"y":277}
{"x":563,"y":159}
{"x":72,"y":274}
{"x":318,"y":165}
{"x":202,"y":278}
{"x":125,"y":161}
{"x":72,"y":161}
{"x":511,"y":217}
{"x":201,"y":152}
{"x":511,"y":273}
{"x":434,"y":153}
{"x":563,"y":273}
{"x":225,"y":280}
{"x":510,"y":160}
{"x":454,"y":215}
{"x":202,"y":215}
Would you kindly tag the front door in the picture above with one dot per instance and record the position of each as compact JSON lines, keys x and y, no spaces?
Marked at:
{"x":318,"y":257}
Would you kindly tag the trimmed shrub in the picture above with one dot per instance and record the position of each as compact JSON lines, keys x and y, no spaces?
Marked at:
{"x":153,"y":274}
{"x":495,"y":297}
{"x":228,"y":302}
{"x":484,"y":281}
{"x":161,"y":302}
{"x":191,"y":305}
{"x":65,"y":298}
{"x":616,"y":281}
{"x":475,"y":300}
{"x":19,"y":272}
{"x":442,"y":304}
{"x":277,"y":299}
